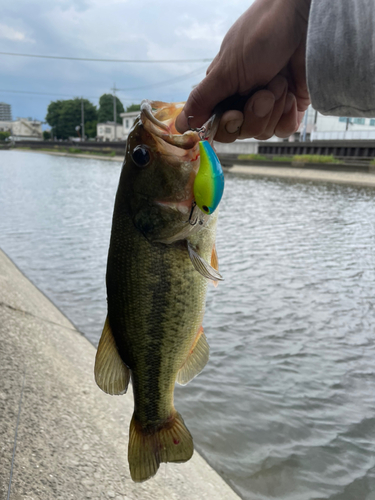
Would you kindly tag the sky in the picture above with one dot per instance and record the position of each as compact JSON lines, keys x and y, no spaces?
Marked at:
{"x":110,"y":29}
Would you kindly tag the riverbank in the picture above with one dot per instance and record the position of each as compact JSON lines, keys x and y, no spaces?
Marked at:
{"x":96,"y":156}
{"x":305,"y":174}
{"x":61,"y":437}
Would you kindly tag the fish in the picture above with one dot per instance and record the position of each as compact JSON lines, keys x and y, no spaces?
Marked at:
{"x":161,"y":258}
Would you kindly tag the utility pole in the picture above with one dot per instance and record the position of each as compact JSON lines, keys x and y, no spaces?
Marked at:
{"x":82,"y":121}
{"x":114,"y":110}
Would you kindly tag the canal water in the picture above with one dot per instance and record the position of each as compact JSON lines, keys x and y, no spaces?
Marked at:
{"x":285,"y":408}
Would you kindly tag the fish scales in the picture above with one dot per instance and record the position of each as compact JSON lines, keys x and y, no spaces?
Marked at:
{"x":159,"y":263}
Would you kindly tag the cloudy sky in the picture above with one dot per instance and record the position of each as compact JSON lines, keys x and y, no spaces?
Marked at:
{"x":107,"y":29}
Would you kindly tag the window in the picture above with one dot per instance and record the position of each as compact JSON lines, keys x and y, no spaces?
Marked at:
{"x":108,"y":130}
{"x":372,"y":122}
{"x":359,"y":121}
{"x":127,"y":123}
{"x":342,"y":119}
{"x":100,"y":130}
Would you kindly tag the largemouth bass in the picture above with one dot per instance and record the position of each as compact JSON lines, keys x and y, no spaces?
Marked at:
{"x":161,"y":257}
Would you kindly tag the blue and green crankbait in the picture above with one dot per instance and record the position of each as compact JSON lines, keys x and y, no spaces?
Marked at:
{"x":209,"y":181}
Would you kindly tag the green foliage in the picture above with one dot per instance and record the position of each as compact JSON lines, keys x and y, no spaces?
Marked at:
{"x":133,"y":107}
{"x":46,"y":135}
{"x":64,"y":116}
{"x":295,"y":158}
{"x":106,"y":109}
{"x":252,"y":157}
{"x":4,"y":135}
{"x":90,"y":128}
{"x":315,"y":159}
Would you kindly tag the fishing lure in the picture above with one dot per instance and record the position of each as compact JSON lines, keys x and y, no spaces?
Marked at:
{"x":209,"y":181}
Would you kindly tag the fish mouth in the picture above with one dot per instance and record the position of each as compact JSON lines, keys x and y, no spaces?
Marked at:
{"x":158,"y":118}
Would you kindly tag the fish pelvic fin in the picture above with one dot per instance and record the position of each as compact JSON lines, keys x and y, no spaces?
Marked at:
{"x":196,"y":360}
{"x":203,"y":267}
{"x":111,"y":373}
{"x":170,"y":442}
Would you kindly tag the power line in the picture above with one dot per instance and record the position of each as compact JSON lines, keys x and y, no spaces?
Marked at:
{"x":142,"y":61}
{"x":152,"y":85}
{"x":168,"y":82}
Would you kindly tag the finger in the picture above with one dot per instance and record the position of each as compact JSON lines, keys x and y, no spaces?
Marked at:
{"x":257,"y":112}
{"x":289,"y":121}
{"x":202,"y":101}
{"x":229,"y":126}
{"x":278,"y":86}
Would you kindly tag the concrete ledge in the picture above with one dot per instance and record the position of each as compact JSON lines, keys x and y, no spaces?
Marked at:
{"x":71,"y":439}
{"x":74,"y":155}
{"x":303,"y":174}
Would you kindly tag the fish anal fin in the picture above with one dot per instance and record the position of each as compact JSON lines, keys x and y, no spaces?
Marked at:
{"x":111,"y":373}
{"x":215,"y":263}
{"x":203,"y":267}
{"x":170,"y":442}
{"x":196,"y":360}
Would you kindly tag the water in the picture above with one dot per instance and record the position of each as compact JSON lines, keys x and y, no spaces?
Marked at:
{"x":285,"y":408}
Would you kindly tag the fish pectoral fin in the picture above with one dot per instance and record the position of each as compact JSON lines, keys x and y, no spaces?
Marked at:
{"x":203,"y":267}
{"x":215,"y":263}
{"x":169,"y":442}
{"x":111,"y":373}
{"x":196,"y":360}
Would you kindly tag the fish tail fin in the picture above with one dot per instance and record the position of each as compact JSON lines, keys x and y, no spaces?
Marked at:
{"x":170,"y":442}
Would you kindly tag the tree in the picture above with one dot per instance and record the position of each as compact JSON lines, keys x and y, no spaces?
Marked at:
{"x":46,"y":135}
{"x":106,"y":109}
{"x":4,"y":135}
{"x":133,"y":107}
{"x":90,"y":128}
{"x":65,"y":116}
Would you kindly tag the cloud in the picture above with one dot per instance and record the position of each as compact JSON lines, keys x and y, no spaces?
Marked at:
{"x":9,"y":33}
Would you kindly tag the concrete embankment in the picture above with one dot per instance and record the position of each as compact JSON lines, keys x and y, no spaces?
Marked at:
{"x":304,"y":174}
{"x":60,"y":436}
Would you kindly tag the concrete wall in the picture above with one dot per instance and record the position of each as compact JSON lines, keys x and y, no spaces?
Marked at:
{"x":61,"y":437}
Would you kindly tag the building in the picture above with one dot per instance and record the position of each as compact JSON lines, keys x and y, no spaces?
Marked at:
{"x":128,"y":120}
{"x":5,"y":112}
{"x":106,"y":132}
{"x":24,"y":129}
{"x":5,"y":126}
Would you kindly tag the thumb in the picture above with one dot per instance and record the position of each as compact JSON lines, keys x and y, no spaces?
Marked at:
{"x":202,"y":101}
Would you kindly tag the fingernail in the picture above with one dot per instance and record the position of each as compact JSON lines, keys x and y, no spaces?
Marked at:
{"x":233,"y":126}
{"x":263,"y":106}
{"x":289,"y":101}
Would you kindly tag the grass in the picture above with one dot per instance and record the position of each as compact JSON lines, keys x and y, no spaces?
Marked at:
{"x":295,"y":158}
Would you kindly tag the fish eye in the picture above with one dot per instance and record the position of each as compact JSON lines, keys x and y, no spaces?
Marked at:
{"x":141,"y":156}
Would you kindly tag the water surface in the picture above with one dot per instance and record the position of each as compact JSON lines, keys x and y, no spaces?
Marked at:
{"x":285,"y":408}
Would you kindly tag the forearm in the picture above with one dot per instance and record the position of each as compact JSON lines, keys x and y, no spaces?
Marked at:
{"x":341,"y":57}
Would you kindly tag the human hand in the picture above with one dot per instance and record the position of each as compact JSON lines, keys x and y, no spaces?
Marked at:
{"x":265,"y":48}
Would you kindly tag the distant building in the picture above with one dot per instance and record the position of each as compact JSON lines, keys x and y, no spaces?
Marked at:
{"x":5,"y":112}
{"x":128,"y":120}
{"x":5,"y":126}
{"x":106,"y":132}
{"x":26,"y":129}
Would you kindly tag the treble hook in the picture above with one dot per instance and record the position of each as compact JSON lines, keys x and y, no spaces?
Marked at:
{"x":192,"y":223}
{"x":201,"y":131}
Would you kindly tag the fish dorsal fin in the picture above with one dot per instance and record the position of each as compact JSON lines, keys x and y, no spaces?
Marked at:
{"x":111,"y":373}
{"x":196,"y":360}
{"x":202,"y":266}
{"x":215,"y":262}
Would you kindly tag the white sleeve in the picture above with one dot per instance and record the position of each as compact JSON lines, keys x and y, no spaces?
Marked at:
{"x":341,"y":57}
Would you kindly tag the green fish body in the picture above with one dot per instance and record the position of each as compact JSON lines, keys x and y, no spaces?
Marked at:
{"x":157,"y":270}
